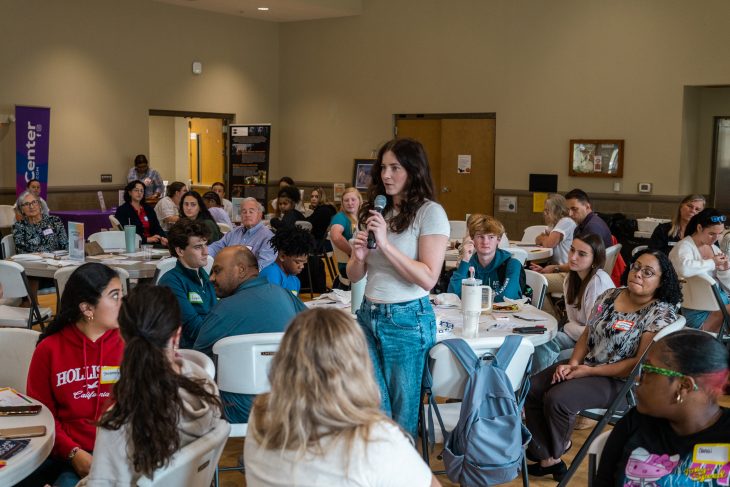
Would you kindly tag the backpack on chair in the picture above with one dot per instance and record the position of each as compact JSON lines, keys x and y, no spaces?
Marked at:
{"x":487,"y":445}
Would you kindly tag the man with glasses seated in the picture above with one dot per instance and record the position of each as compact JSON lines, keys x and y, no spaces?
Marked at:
{"x":189,"y":282}
{"x":697,"y":254}
{"x":252,"y":234}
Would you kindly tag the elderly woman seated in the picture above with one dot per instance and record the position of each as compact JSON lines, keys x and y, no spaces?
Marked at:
{"x":621,"y":326}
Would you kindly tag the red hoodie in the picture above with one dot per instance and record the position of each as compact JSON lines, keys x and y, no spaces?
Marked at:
{"x":74,"y":377}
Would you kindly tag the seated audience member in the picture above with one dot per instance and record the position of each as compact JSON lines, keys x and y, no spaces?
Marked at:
{"x":213,"y":203}
{"x":36,"y":232}
{"x":136,"y":212}
{"x":561,"y":228}
{"x":322,"y":418}
{"x":585,"y":282}
{"x":34,"y":186}
{"x":344,"y":225}
{"x":220,"y":189}
{"x":162,"y":401}
{"x":73,"y":370}
{"x":670,"y":436}
{"x":252,"y":234}
{"x":285,"y":181}
{"x":696,"y":254}
{"x":621,"y":326}
{"x":666,"y":235}
{"x":249,"y":304}
{"x":293,"y":246}
{"x":192,"y":207}
{"x":151,"y":179}
{"x":287,"y":214}
{"x":189,"y":281}
{"x":322,"y":213}
{"x":167,"y":209}
{"x":494,"y":266}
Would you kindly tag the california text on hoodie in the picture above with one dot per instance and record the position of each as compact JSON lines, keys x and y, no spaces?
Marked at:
{"x":74,"y":377}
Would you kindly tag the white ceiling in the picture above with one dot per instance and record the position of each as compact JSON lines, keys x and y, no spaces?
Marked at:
{"x":279,"y":10}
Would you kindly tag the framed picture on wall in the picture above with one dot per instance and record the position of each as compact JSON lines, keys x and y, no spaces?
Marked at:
{"x":361,"y":173}
{"x":596,"y":158}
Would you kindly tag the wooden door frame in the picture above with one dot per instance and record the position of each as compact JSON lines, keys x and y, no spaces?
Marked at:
{"x":439,"y":116}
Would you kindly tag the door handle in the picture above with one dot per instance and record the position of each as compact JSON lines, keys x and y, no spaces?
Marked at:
{"x":445,"y":189}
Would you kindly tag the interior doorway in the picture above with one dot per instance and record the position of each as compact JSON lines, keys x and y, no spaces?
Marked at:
{"x":189,"y":146}
{"x":460,"y":149}
{"x":720,"y":176}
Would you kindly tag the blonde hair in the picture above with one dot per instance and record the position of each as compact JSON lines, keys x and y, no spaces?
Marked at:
{"x":677,"y":220}
{"x":555,"y":208}
{"x":322,"y":195}
{"x":353,"y":219}
{"x":484,"y":224}
{"x":322,"y":385}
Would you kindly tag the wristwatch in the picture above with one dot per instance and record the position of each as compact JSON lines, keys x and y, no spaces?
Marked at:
{"x":73,"y":453}
{"x":556,"y":269}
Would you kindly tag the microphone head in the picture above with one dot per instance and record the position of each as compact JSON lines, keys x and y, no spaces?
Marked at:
{"x":380,"y":202}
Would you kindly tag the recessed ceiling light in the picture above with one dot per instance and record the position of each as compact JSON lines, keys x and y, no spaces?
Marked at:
{"x":263,"y":9}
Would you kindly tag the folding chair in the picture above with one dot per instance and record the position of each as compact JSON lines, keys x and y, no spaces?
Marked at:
{"x":15,"y":285}
{"x":7,"y":216}
{"x":457,"y":229}
{"x":224,"y":227}
{"x":198,"y":358}
{"x":243,"y":368}
{"x":531,"y":233}
{"x":113,"y":239}
{"x":164,"y":266}
{"x":612,"y":254}
{"x":16,"y":349}
{"x":611,"y":415}
{"x":539,"y":285}
{"x":518,"y":253}
{"x":194,"y":465}
{"x":448,"y":379}
{"x":594,"y":456}
{"x":62,"y":275}
{"x":8,"y":246}
{"x":116,"y":225}
{"x":703,"y":292}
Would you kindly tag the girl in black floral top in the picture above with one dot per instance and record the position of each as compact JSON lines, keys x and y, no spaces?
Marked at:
{"x":622,"y":325}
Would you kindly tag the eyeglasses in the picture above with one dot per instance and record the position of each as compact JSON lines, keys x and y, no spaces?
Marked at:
{"x":718,"y":219}
{"x":652,"y":369}
{"x":645,"y":272}
{"x":30,"y":203}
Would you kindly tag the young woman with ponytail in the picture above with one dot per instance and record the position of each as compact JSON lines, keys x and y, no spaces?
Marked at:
{"x":74,"y":368}
{"x":162,"y":401}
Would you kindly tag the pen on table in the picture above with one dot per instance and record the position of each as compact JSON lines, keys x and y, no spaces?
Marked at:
{"x":24,"y":398}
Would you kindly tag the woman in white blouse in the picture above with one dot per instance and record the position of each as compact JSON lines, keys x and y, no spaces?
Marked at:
{"x":696,"y":254}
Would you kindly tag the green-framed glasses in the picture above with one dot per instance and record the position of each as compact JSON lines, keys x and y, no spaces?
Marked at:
{"x":652,"y":369}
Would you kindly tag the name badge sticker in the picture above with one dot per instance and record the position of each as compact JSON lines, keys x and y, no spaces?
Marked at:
{"x":146,"y":219}
{"x":195,"y":298}
{"x":109,"y":374}
{"x":623,"y":325}
{"x":48,"y":231}
{"x":715,"y":453}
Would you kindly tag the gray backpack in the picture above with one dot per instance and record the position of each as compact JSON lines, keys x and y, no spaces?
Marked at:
{"x":487,"y":445}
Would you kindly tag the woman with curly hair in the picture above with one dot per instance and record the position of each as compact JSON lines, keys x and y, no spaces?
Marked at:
{"x":293,"y":246}
{"x":163,"y":402}
{"x":621,"y":326}
{"x":410,"y":243}
{"x":321,"y":423}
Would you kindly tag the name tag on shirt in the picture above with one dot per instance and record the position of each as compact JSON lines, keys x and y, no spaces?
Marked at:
{"x":47,"y":232}
{"x":145,"y":218}
{"x":623,"y":325}
{"x":109,"y":374}
{"x":195,"y":298}
{"x":718,"y":453}
{"x":294,"y":292}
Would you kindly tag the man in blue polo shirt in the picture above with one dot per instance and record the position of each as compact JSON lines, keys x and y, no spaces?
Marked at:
{"x":293,"y":246}
{"x":189,"y":282}
{"x":249,"y":304}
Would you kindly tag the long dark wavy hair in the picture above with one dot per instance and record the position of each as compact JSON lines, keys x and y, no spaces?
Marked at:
{"x":669,"y":289}
{"x":418,"y":188}
{"x":202,"y":213}
{"x":576,"y":286}
{"x":147,"y":398}
{"x":85,"y":285}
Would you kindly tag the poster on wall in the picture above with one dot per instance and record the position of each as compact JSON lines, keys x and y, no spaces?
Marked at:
{"x":31,"y":147}
{"x":463,"y":164}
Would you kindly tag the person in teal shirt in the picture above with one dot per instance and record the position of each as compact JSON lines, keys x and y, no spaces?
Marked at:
{"x":188,"y":280}
{"x":481,"y":251}
{"x":344,"y":224}
{"x":293,"y":246}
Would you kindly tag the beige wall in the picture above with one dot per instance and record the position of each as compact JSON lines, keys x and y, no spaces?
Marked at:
{"x":101,"y":65}
{"x":162,"y":145}
{"x":551,"y":70}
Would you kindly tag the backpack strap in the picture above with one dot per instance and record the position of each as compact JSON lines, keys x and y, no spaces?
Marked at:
{"x":463,"y":352}
{"x":508,"y":349}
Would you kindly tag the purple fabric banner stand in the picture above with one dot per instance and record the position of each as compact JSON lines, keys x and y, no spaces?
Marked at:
{"x":31,"y":147}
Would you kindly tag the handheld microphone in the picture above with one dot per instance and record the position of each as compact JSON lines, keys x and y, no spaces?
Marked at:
{"x":379,"y":206}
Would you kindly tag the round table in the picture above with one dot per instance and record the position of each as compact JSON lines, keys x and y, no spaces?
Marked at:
{"x":25,"y":462}
{"x":498,"y":324}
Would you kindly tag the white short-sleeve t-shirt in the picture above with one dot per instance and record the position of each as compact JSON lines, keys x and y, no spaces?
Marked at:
{"x":387,"y":460}
{"x":565,"y":227}
{"x":384,"y":284}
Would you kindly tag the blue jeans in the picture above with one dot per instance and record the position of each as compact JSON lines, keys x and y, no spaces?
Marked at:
{"x":399,"y":337}
{"x":547,"y":353}
{"x":53,"y":471}
{"x":696,"y":317}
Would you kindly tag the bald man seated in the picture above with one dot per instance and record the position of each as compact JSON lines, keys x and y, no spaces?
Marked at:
{"x":248,"y":304}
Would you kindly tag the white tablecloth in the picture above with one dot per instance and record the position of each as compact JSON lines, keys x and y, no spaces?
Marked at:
{"x":25,"y":462}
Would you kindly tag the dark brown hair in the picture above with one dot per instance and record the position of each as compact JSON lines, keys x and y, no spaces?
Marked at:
{"x":577,"y":287}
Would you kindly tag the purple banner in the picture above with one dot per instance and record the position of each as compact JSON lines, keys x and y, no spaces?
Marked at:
{"x":32,"y":130}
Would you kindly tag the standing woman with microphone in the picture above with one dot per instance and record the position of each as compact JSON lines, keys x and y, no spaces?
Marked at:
{"x":410,"y":236}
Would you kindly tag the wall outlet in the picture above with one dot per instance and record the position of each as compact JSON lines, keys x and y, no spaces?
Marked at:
{"x":106,"y":178}
{"x":617,"y":186}
{"x":644,"y":188}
